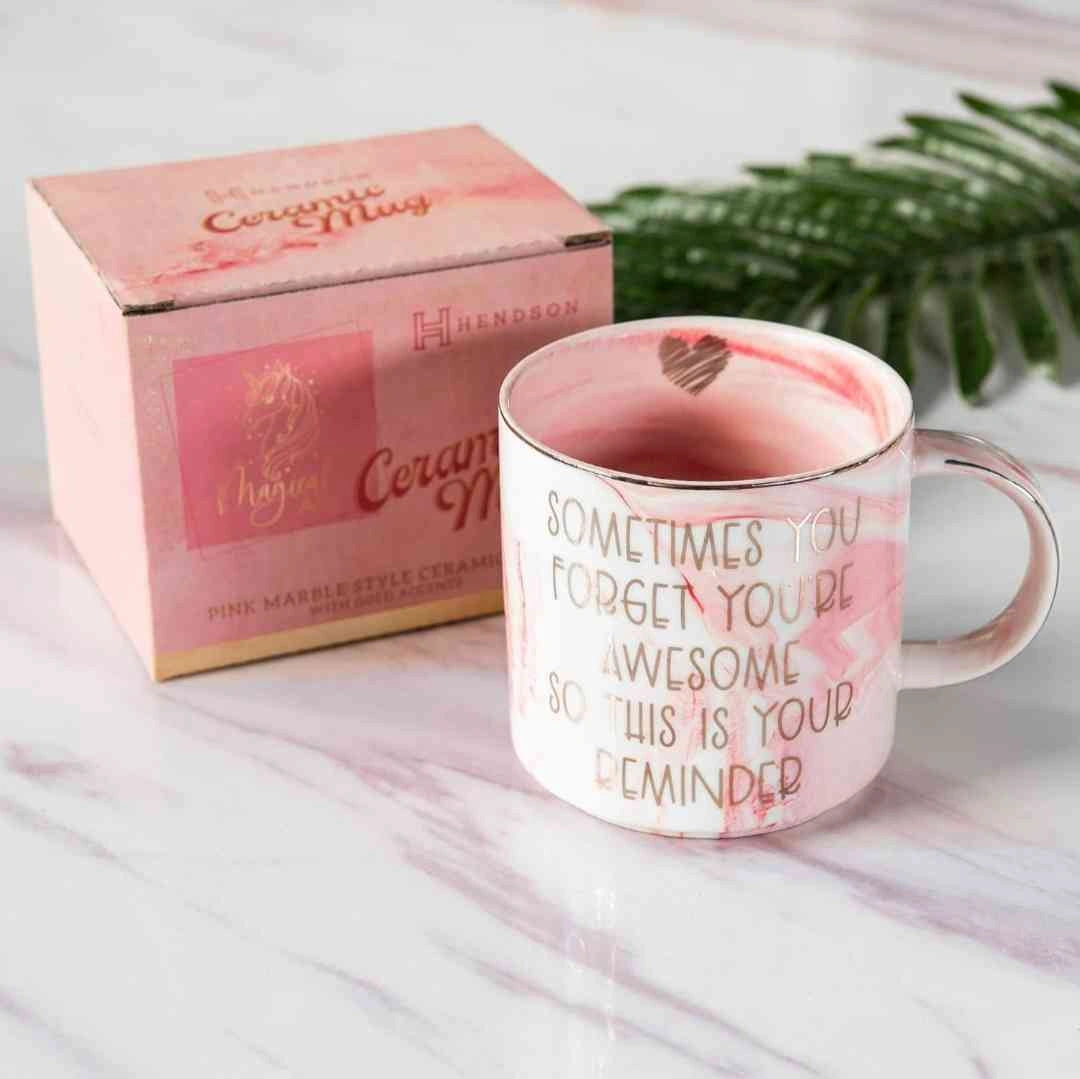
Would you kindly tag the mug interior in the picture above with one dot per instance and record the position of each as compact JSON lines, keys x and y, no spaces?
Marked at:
{"x":706,"y":401}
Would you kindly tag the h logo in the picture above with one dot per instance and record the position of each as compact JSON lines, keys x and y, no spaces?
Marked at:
{"x":439,"y":330}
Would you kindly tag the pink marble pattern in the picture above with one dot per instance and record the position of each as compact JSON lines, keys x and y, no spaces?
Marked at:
{"x":944,"y":662}
{"x":1012,"y":41}
{"x":334,"y":864}
{"x":664,"y":678}
{"x":346,"y":839}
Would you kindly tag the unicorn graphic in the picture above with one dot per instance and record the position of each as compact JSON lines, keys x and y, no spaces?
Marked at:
{"x":283,"y":416}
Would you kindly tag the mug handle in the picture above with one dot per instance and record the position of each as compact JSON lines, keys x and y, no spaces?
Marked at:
{"x":956,"y":659}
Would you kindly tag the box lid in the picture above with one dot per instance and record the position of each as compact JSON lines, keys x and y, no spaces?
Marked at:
{"x":197,"y":232}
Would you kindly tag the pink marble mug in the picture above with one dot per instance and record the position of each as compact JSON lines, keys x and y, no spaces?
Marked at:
{"x":704,"y":534}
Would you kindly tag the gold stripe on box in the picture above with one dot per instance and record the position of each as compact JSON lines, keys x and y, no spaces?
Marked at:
{"x":172,"y":664}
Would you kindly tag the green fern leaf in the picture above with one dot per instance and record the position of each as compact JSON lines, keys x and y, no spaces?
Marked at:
{"x":984,"y":212}
{"x":972,"y":346}
{"x":1067,"y":264}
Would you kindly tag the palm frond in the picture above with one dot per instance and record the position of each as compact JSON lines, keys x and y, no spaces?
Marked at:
{"x":984,"y":212}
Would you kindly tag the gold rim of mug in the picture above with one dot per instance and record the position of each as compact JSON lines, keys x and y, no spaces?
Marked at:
{"x":699,"y":485}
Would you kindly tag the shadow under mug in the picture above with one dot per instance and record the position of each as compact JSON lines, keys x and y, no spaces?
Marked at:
{"x":703,"y":656}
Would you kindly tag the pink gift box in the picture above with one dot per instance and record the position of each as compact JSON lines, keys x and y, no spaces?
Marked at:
{"x":270,"y":381}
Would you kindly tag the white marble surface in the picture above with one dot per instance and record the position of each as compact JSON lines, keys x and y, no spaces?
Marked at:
{"x":332,"y":865}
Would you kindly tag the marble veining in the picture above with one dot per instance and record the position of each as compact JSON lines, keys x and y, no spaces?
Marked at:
{"x":332,"y":865}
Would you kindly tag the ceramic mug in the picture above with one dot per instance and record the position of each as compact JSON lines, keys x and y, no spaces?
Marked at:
{"x":704,"y":532}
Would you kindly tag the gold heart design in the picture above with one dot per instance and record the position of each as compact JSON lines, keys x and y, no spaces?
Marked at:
{"x":693,"y":368}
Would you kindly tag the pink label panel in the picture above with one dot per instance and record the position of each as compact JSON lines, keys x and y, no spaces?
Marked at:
{"x":264,"y":433}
